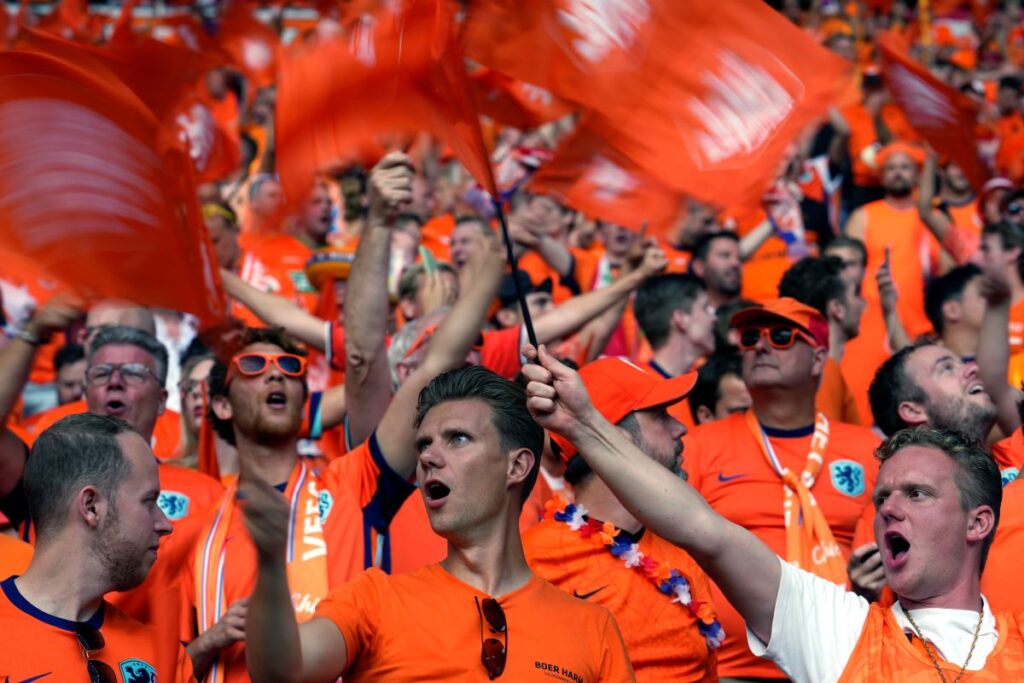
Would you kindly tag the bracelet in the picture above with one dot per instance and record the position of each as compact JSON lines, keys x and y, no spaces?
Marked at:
{"x":31,"y":338}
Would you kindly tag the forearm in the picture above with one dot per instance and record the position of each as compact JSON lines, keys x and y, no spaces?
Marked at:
{"x":556,"y":255}
{"x":272,"y":648}
{"x":275,"y":310}
{"x":366,"y":300}
{"x":461,"y":327}
{"x":203,"y":652}
{"x":753,"y":240}
{"x":15,"y":365}
{"x":895,"y":332}
{"x":579,"y":310}
{"x":993,"y":354}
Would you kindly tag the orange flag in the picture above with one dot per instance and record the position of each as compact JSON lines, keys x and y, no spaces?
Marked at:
{"x":705,"y":96}
{"x":600,"y":182}
{"x":399,"y":71}
{"x":90,"y":192}
{"x":250,"y":44}
{"x":942,"y":115}
{"x":514,"y":103}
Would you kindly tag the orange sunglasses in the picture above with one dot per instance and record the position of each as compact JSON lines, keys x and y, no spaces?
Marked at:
{"x":254,"y":364}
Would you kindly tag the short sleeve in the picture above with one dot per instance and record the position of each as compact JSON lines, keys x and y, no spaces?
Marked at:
{"x":378,"y":488}
{"x":815,"y":628}
{"x":355,"y":609}
{"x":615,"y":665}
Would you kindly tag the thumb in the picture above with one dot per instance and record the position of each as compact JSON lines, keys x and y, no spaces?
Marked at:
{"x":557,"y":369}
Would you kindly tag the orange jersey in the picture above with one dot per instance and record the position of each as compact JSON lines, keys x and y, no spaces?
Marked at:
{"x":1017,"y":328}
{"x":727,"y":467}
{"x":1009,"y":455}
{"x":40,"y":646}
{"x":1000,"y":582}
{"x":426,"y":626}
{"x":662,"y":636}
{"x":834,"y":397}
{"x":500,"y":351}
{"x":166,"y":432}
{"x":360,"y":494}
{"x":536,"y":505}
{"x":912,"y":246}
{"x":883,"y":654}
{"x":15,"y":556}
{"x":279,"y":267}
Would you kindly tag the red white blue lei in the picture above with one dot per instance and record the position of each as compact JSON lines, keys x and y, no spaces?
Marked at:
{"x":667,"y":579}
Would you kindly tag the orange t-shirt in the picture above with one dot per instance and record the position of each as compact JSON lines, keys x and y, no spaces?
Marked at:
{"x":501,"y":351}
{"x":364,"y":495}
{"x":1009,"y":455}
{"x":282,"y":267}
{"x":727,"y":467}
{"x":884,"y":654}
{"x":15,"y":556}
{"x":40,"y":646}
{"x":834,"y":397}
{"x":426,"y":626}
{"x":166,"y":432}
{"x":912,"y":247}
{"x":436,"y":236}
{"x":1017,"y":327}
{"x":1000,"y":582}
{"x":662,"y":636}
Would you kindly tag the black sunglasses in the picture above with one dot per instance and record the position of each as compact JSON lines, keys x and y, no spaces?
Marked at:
{"x":492,"y":652}
{"x":91,"y":641}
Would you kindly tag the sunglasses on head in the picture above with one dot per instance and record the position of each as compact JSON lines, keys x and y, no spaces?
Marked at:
{"x":91,"y":640}
{"x":778,"y":336}
{"x":493,"y":653}
{"x":254,"y":364}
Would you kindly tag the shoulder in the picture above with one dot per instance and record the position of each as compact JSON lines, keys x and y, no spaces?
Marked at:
{"x":581,"y":612}
{"x":721,"y":432}
{"x":853,"y":440}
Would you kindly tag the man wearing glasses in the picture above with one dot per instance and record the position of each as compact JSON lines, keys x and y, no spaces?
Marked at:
{"x":91,"y":484}
{"x":480,"y":614}
{"x":783,"y":458}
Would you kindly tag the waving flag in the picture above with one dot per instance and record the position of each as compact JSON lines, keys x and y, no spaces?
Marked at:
{"x":399,"y":71}
{"x":514,"y":103}
{"x":90,"y":192}
{"x":250,"y":44}
{"x":940,"y":114}
{"x":704,"y":96}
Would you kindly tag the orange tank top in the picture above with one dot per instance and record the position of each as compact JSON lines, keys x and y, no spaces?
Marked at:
{"x":884,"y":654}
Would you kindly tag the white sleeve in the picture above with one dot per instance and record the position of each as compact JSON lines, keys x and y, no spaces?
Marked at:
{"x":816,"y":626}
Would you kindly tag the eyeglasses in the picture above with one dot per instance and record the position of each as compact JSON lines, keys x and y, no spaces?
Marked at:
{"x":779,"y":337}
{"x":134,"y":374}
{"x":253,"y":364}
{"x":1014,"y":208}
{"x":492,"y":652}
{"x":91,"y":640}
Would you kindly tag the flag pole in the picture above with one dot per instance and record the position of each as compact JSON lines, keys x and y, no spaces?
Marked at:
{"x":513,"y":262}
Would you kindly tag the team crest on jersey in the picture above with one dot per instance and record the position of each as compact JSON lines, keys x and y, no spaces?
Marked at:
{"x":326,"y":501}
{"x":173,"y":504}
{"x":137,"y":671}
{"x":847,"y":477}
{"x":1009,"y":475}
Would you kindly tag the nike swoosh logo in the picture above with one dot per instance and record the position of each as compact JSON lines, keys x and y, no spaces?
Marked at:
{"x":7,"y":679}
{"x":724,"y":479}
{"x":587,"y":596}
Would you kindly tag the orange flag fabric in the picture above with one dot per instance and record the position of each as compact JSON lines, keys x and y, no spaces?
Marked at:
{"x":514,"y":103}
{"x":250,"y":44}
{"x":713,"y":120}
{"x":595,"y":179}
{"x":92,"y":193}
{"x":940,"y":114}
{"x":398,"y":71}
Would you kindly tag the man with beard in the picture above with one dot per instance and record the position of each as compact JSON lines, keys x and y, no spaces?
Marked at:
{"x":92,"y":488}
{"x":819,"y":283}
{"x":930,"y":384}
{"x":666,"y":638}
{"x":718,"y":262}
{"x":955,"y":219}
{"x":753,"y":467}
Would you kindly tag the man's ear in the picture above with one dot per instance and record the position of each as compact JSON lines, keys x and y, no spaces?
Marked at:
{"x":981,"y":523}
{"x":836,"y":310}
{"x":90,"y":505}
{"x":221,"y":407}
{"x":520,"y":463}
{"x":704,"y":415}
{"x":912,"y":413}
{"x":163,"y":402}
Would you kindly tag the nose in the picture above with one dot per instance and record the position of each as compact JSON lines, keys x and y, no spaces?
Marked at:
{"x":891,"y":508}
{"x":970,"y":371}
{"x":678,"y":429}
{"x":430,"y":458}
{"x":116,"y":379}
{"x":163,"y":525}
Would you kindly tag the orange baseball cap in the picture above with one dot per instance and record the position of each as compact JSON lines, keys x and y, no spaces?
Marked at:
{"x":788,"y":310}
{"x":915,"y":153}
{"x":617,"y":388}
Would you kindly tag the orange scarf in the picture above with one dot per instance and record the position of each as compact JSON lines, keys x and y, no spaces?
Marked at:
{"x":307,"y":557}
{"x":809,"y":541}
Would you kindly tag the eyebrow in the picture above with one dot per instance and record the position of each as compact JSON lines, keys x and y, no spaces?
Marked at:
{"x":943,"y":359}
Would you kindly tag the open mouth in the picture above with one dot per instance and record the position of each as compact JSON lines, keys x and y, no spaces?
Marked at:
{"x":898,"y":546}
{"x":976,"y":389}
{"x":435,"y":493}
{"x":115,"y":407}
{"x":277,"y":399}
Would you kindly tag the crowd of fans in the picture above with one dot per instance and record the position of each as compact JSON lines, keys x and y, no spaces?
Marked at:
{"x":760,"y":443}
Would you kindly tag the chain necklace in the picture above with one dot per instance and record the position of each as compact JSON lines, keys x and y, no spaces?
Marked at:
{"x":931,"y":655}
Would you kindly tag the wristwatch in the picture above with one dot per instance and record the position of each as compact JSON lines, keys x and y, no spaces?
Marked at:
{"x":30,"y":338}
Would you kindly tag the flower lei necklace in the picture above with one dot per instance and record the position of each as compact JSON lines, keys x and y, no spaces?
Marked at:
{"x":666,"y":579}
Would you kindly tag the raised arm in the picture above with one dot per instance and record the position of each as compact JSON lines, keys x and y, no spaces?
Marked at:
{"x":579,"y":310}
{"x":447,"y":350}
{"x":367,"y":382}
{"x":993,"y":354}
{"x":275,"y":310}
{"x":746,"y":570}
